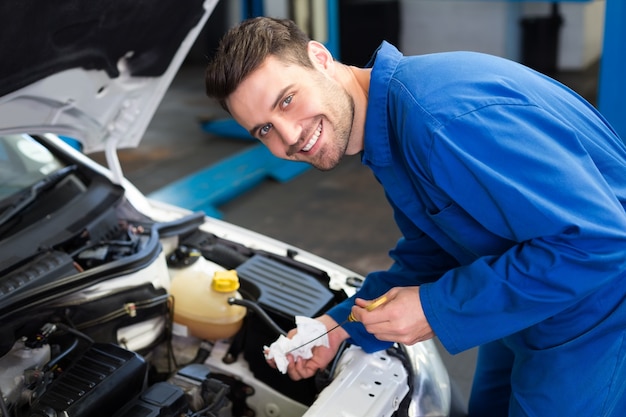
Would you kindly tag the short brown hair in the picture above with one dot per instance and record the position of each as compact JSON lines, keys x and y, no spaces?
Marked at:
{"x":244,"y":48}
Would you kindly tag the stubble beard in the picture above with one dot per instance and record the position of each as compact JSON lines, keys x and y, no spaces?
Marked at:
{"x":341,"y":108}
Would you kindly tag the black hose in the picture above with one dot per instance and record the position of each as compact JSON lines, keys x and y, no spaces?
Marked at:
{"x":401,"y":352}
{"x":78,"y":334}
{"x":251,"y":305}
{"x":52,"y":363}
{"x":75,"y":332}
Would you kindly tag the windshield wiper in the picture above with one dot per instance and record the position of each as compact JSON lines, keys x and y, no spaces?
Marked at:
{"x":31,"y":193}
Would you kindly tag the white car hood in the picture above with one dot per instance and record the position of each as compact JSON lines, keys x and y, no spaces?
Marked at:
{"x":94,"y":71}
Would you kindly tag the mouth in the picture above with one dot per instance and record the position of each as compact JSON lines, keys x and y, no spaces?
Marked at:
{"x":314,"y":138}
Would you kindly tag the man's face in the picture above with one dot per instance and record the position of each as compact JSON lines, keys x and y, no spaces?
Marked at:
{"x":299,"y":113}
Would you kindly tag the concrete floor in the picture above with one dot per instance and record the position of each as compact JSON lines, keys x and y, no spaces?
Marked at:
{"x":341,"y":215}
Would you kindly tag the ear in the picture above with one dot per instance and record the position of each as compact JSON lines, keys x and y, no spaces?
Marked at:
{"x":321,"y":57}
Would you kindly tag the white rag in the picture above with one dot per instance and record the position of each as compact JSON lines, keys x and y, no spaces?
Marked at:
{"x":308,"y":329}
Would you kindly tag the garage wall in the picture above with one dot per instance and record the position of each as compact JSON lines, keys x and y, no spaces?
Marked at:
{"x":493,"y":27}
{"x":490,"y":26}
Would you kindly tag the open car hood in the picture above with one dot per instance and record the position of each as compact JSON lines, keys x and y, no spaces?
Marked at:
{"x":94,"y":71}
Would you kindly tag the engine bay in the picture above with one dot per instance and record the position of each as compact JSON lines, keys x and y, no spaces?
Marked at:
{"x":79,"y":350}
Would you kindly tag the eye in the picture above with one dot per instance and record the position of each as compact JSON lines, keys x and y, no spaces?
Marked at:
{"x":287,"y":101}
{"x":265,"y":129}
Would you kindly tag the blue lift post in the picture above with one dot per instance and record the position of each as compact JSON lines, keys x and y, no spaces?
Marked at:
{"x":611,"y":80}
{"x":206,"y":189}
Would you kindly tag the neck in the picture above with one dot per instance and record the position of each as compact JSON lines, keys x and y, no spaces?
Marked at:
{"x":362,"y":78}
{"x":357,"y":82}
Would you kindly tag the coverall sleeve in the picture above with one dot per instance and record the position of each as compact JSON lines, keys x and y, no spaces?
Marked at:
{"x":417,"y":259}
{"x":526,"y":176}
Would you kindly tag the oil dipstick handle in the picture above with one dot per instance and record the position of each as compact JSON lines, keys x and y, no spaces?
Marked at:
{"x":371,"y":306}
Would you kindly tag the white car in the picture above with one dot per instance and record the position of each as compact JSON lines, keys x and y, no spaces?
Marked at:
{"x":90,"y":322}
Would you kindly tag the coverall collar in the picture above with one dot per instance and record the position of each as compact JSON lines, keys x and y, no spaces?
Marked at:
{"x":376,"y":149}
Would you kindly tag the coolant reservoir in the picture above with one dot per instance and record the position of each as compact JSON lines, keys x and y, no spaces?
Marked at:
{"x":201,"y":302}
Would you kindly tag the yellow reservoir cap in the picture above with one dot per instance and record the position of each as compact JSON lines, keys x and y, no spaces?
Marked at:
{"x":225,"y":281}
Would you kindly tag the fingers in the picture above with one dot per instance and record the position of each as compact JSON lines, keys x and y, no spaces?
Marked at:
{"x":295,"y":368}
{"x":399,"y":318}
{"x":362,"y":307}
{"x":301,"y":368}
{"x":271,"y":363}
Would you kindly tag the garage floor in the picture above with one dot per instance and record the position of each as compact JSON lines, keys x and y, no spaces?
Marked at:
{"x":341,"y":215}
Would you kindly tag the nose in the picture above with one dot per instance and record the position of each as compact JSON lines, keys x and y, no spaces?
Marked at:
{"x":288,"y":131}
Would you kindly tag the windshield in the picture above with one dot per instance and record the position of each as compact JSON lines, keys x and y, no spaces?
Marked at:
{"x":23,"y":162}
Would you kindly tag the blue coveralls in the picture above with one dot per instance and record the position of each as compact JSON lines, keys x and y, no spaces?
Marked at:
{"x":510,"y":193}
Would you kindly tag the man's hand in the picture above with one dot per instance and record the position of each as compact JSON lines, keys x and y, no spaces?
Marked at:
{"x":400,"y":319}
{"x":306,"y":368}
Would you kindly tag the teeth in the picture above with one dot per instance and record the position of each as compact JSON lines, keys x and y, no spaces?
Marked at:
{"x":314,"y":138}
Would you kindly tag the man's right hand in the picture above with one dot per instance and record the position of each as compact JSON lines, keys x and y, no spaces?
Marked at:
{"x":306,"y":368}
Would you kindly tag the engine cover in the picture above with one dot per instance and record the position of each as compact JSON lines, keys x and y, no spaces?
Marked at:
{"x":99,"y":382}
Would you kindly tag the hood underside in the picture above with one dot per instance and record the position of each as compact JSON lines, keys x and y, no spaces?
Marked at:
{"x":94,"y":71}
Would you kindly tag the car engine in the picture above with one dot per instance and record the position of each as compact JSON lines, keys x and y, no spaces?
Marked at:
{"x":85,"y":351}
{"x":98,"y":379}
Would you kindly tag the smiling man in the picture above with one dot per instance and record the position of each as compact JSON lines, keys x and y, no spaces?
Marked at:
{"x":302,"y":113}
{"x":509,"y":190}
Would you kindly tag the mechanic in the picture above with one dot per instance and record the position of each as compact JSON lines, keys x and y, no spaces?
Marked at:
{"x":510,"y":193}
